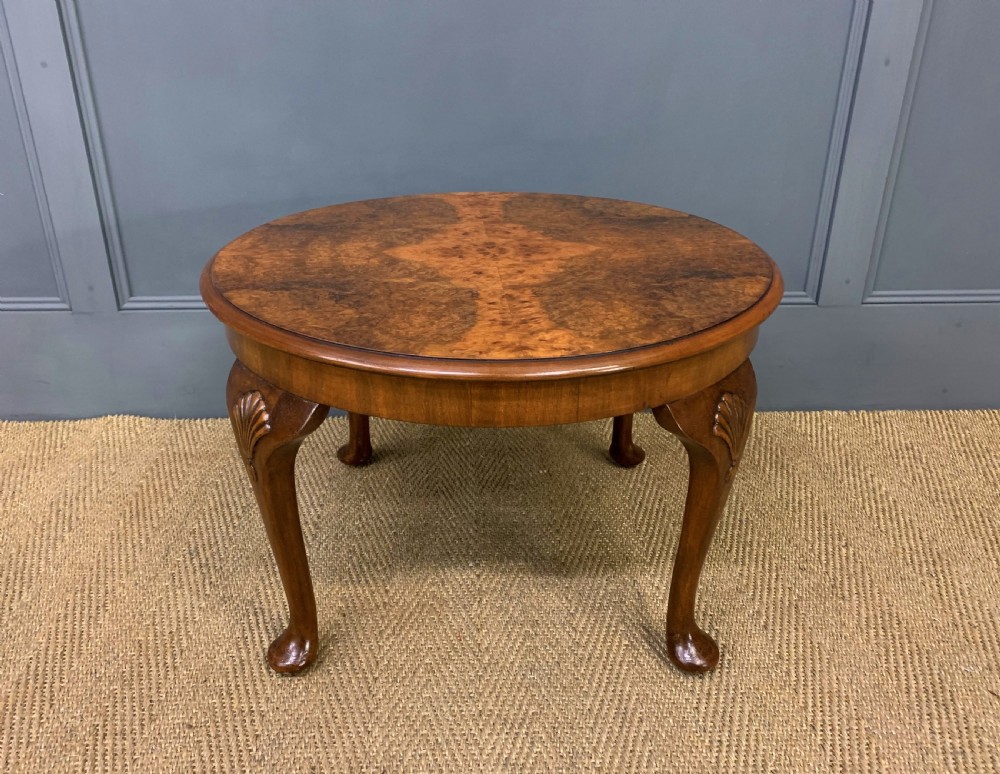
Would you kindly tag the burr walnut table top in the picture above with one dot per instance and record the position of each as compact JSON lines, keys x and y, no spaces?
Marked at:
{"x":485,"y":284}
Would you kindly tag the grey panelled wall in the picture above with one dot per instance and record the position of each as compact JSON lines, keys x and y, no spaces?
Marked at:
{"x":235,"y":112}
{"x":140,"y":137}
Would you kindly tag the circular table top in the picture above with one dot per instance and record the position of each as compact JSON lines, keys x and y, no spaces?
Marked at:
{"x":445,"y":282}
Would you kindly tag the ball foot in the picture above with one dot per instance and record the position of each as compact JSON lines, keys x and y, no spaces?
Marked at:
{"x":692,"y":651}
{"x":356,"y":456}
{"x":623,"y":451}
{"x":291,"y":652}
{"x":627,"y":456}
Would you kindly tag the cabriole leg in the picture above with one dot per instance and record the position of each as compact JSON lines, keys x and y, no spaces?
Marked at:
{"x":270,"y":425}
{"x":713,"y":426}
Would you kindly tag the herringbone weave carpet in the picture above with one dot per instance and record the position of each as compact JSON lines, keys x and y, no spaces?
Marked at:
{"x":494,"y":601}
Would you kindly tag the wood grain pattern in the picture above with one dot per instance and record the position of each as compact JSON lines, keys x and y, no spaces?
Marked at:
{"x":500,"y":402}
{"x":490,"y":276}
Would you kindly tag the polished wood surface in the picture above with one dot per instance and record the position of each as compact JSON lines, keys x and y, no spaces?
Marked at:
{"x":414,"y":284}
{"x":491,"y":310}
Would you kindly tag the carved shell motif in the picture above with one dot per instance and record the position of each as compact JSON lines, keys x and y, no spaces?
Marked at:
{"x":251,"y":422}
{"x":732,"y":420}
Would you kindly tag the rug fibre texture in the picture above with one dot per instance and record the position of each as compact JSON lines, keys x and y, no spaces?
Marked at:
{"x":495,"y":600}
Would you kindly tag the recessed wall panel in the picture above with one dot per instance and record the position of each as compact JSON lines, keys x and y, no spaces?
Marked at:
{"x":24,"y":255}
{"x":943,"y":230}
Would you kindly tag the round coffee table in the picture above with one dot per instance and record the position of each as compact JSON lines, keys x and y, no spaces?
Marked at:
{"x":491,"y":310}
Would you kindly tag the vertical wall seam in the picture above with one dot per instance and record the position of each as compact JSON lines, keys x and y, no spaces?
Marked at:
{"x":853,"y":53}
{"x":87,"y":106}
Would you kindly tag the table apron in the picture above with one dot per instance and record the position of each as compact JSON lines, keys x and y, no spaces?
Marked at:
{"x":491,"y":402}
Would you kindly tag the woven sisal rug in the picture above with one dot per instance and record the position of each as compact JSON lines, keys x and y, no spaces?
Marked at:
{"x":494,"y":601}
